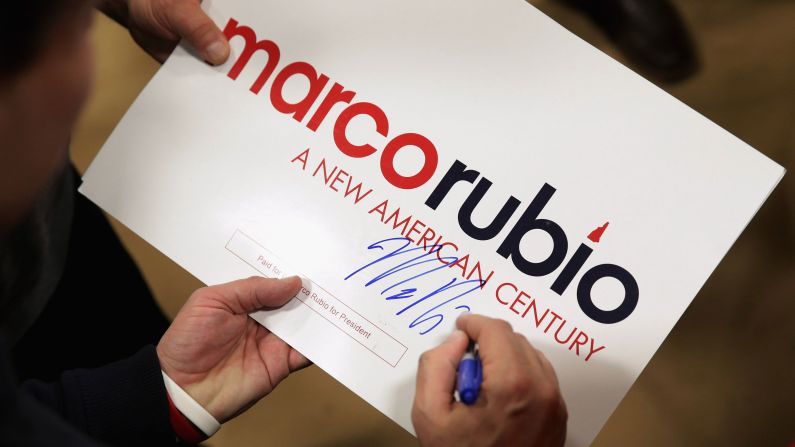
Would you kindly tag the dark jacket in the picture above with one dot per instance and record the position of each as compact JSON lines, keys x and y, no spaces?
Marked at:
{"x":123,"y":403}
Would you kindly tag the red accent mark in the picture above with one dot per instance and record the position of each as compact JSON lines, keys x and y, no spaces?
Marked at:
{"x":596,"y":234}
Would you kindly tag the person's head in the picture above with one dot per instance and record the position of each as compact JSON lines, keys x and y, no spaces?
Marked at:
{"x":45,"y":77}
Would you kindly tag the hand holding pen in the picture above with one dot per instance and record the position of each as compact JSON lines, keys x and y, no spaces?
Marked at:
{"x":518,"y":403}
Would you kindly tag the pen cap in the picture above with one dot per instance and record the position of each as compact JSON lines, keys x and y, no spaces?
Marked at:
{"x":470,"y":376}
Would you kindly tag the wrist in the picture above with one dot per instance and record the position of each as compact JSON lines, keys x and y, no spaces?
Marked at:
{"x":191,"y":422}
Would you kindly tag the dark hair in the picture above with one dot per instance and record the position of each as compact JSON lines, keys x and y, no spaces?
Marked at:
{"x":24,"y":25}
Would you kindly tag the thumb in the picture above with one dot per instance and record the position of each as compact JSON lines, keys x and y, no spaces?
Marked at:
{"x":255,"y":293}
{"x":190,"y":22}
{"x":437,"y":372}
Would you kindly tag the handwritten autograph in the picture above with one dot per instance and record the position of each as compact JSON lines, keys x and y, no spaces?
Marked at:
{"x":426,"y":264}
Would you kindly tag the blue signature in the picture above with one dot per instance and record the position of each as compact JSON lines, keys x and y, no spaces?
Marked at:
{"x":427,"y":264}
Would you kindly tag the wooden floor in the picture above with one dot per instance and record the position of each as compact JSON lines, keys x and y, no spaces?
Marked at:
{"x":726,"y":374}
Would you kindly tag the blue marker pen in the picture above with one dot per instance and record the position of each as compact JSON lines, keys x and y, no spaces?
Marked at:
{"x":470,"y":375}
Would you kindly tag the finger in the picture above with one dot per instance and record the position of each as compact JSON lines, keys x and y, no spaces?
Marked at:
{"x":532,"y":356}
{"x":256,"y":293}
{"x":437,"y":372}
{"x":157,"y":47}
{"x":191,"y":23}
{"x":536,"y":366}
{"x":546,"y":366}
{"x":496,"y":340}
{"x":297,"y":361}
{"x":546,"y":382}
{"x":275,"y":354}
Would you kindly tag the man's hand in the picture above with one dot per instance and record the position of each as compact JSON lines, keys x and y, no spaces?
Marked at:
{"x":158,"y":25}
{"x":225,"y":360}
{"x":519,"y":402}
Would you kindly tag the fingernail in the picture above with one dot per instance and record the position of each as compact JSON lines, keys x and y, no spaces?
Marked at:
{"x":216,"y":52}
{"x":305,"y":282}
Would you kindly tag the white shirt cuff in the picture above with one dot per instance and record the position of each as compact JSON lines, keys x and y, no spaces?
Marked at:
{"x":191,"y":409}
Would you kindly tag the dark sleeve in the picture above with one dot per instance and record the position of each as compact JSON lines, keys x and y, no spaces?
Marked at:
{"x":123,"y":403}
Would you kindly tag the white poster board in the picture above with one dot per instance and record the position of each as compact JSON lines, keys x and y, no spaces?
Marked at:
{"x":496,"y":142}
